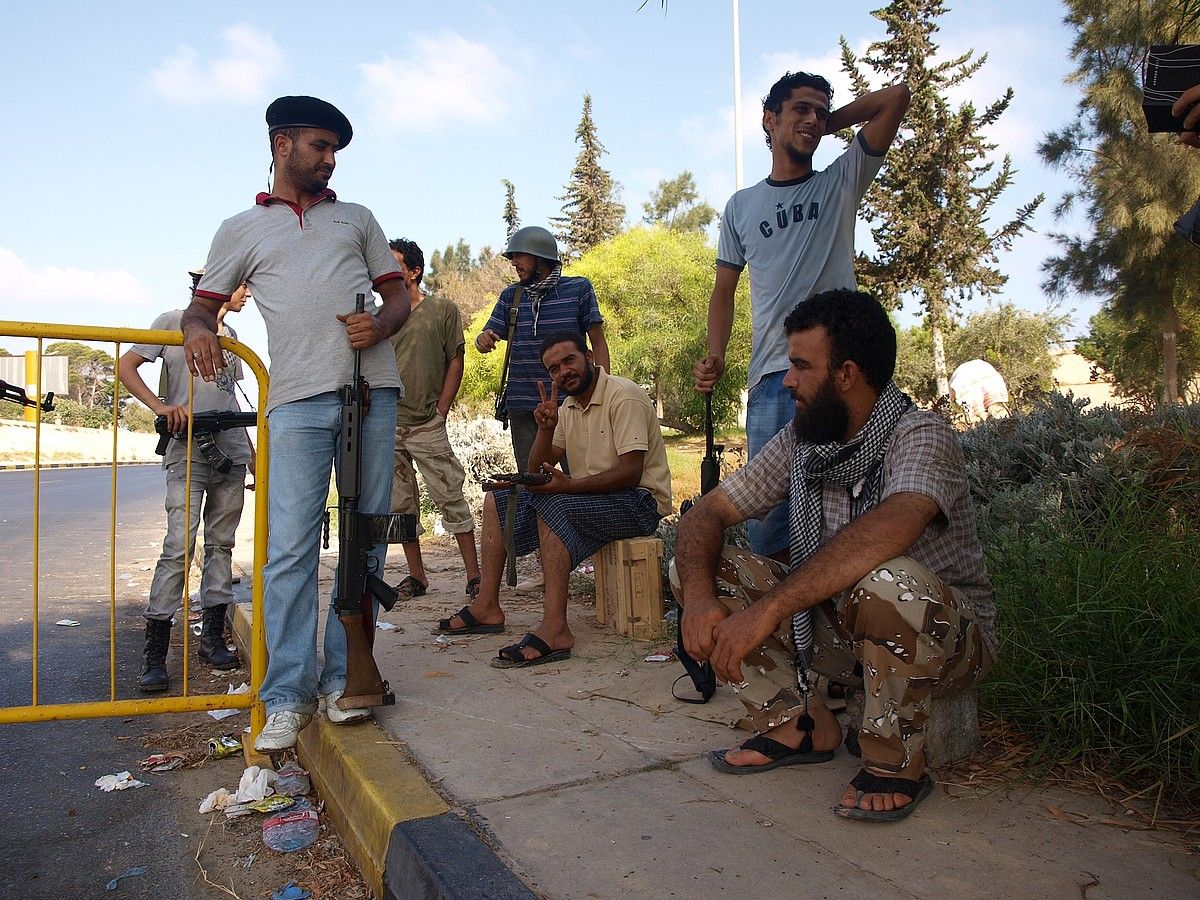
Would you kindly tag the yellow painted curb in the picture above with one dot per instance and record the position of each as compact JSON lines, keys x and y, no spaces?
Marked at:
{"x":367,"y":784}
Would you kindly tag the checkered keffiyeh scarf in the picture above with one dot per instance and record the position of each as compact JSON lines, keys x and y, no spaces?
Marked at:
{"x":857,"y":466}
{"x":535,"y":292}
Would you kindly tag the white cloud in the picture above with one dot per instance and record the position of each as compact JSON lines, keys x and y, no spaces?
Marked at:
{"x":68,"y":295}
{"x":240,"y":72}
{"x":445,"y":78}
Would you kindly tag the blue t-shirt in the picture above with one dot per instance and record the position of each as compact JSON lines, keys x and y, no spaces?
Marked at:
{"x":571,"y":306}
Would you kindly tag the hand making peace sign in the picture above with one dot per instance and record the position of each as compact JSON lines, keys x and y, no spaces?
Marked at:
{"x":546,"y":412}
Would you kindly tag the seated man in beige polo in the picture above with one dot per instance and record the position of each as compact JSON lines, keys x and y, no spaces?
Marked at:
{"x":619,"y":487}
{"x":429,"y":357}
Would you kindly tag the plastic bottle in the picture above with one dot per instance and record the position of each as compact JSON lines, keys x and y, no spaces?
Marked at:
{"x":292,"y":781}
{"x":293,"y":829}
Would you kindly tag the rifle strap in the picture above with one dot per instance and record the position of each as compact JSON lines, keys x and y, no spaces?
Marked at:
{"x":508,"y":343}
{"x":510,"y":541}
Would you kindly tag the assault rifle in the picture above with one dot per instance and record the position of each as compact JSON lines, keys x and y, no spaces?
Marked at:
{"x":514,"y":483}
{"x":18,"y":395}
{"x":358,"y":588}
{"x":702,"y":674}
{"x":710,"y":466}
{"x":204,"y":426}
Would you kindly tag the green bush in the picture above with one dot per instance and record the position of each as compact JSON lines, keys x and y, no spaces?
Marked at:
{"x":68,"y":412}
{"x":1089,"y":522}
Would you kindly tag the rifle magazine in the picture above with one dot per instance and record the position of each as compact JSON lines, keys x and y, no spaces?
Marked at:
{"x":389,"y":528}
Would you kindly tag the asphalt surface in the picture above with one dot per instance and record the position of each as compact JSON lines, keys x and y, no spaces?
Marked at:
{"x":63,"y":837}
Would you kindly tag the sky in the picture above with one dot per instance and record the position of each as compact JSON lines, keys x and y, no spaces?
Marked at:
{"x":135,"y":128}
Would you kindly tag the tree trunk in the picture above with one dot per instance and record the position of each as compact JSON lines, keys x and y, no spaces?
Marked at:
{"x":1170,"y":350}
{"x":939,"y":357}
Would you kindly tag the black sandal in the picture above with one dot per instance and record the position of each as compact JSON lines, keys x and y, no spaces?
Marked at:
{"x":780,"y":754}
{"x":511,"y":657}
{"x":869,"y":783}
{"x":410,"y":587}
{"x":473,"y":587}
{"x":471,"y":625}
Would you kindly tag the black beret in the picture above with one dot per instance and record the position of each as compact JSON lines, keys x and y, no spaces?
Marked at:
{"x":309,"y":112}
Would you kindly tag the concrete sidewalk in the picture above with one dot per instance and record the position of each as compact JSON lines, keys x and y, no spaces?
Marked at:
{"x":587,"y":779}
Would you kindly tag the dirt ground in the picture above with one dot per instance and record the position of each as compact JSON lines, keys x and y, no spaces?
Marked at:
{"x":231,"y":859}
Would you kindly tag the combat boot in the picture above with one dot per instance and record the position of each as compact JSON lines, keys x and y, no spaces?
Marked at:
{"x":158,"y":639}
{"x":213,"y":649}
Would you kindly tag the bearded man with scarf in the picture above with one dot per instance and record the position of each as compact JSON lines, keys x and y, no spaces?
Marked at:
{"x":886,"y":589}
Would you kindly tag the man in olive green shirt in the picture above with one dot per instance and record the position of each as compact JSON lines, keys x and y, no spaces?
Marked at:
{"x":429,"y":356}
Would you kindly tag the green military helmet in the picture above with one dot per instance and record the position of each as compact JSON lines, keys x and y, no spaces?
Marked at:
{"x":534,"y":240}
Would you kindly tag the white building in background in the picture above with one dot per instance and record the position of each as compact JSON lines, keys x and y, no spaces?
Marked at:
{"x":1073,"y":373}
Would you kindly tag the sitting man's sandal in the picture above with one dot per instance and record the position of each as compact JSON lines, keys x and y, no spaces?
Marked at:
{"x":512,"y":658}
{"x":869,"y":783}
{"x":471,"y":625}
{"x":780,"y":754}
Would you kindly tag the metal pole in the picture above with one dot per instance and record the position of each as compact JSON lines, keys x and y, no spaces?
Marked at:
{"x":31,"y":383}
{"x":740,"y":180}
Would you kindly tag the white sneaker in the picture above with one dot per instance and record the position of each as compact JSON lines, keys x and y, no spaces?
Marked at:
{"x":341,"y":716}
{"x":281,"y":730}
{"x":531,"y":585}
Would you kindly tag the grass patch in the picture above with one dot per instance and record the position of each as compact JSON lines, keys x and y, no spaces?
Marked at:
{"x":685,"y":453}
{"x":1089,"y":522}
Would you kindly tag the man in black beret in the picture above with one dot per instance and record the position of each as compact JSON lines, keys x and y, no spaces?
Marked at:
{"x":305,"y":254}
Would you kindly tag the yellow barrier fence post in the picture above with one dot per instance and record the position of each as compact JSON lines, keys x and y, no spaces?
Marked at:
{"x":189,"y":702}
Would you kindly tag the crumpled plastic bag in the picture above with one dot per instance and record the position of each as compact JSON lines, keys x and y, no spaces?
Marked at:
{"x":118,"y":782}
{"x":218,"y":799}
{"x":220,"y":714}
{"x":256,"y":784}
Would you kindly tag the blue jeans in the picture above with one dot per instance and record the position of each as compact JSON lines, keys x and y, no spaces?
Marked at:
{"x":769,"y":408}
{"x":303,"y":442}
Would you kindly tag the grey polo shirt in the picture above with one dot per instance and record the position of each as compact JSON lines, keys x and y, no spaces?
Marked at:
{"x":304,"y":267}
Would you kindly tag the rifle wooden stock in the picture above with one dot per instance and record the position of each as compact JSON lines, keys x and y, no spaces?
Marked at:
{"x":365,"y":687}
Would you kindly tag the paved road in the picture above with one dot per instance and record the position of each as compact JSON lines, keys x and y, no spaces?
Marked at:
{"x":62,"y":836}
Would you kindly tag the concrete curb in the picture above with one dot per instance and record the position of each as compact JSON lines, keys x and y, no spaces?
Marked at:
{"x":401,"y":833}
{"x":79,"y":465}
{"x":442,"y":857}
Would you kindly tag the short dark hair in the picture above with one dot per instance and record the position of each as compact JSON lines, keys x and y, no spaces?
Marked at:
{"x":413,"y":257}
{"x":560,"y":337}
{"x":782,"y":90}
{"x":859,"y":329}
{"x":292,"y":134}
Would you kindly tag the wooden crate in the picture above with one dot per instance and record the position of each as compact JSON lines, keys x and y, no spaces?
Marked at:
{"x":629,"y":587}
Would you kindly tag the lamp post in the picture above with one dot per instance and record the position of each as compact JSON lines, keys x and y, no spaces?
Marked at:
{"x":739,"y":179}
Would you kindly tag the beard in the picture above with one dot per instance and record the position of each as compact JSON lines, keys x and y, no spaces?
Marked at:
{"x":825,"y":419}
{"x":306,"y":181}
{"x":798,"y":157}
{"x":585,"y":382}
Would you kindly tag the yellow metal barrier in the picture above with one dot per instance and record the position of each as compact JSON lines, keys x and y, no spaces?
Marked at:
{"x":188,"y":702}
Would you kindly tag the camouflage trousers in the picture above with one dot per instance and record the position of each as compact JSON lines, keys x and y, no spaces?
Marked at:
{"x":914,"y":637}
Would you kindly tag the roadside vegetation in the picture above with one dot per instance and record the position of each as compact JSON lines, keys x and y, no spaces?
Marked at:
{"x":1089,"y":520}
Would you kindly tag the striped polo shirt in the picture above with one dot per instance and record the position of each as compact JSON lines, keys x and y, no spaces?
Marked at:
{"x":570,"y":306}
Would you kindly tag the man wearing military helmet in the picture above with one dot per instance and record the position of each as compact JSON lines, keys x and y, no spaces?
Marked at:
{"x":305,"y":254}
{"x":548,"y":302}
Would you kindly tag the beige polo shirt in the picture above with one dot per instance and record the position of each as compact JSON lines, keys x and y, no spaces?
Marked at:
{"x":618,"y":419}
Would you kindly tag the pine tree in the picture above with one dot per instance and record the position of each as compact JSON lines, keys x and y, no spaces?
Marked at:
{"x":591,"y":212}
{"x":931,"y":203}
{"x":512,"y":221}
{"x":673,"y":205}
{"x":1132,"y":185}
